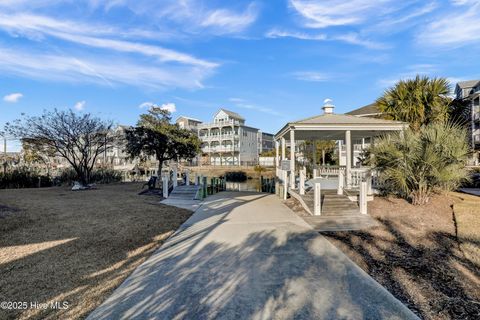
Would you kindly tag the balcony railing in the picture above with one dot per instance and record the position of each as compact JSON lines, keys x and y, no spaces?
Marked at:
{"x":220,"y":149}
{"x":218,"y":124}
{"x":228,"y":136}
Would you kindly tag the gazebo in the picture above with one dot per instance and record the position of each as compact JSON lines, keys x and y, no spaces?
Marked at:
{"x":342,"y":128}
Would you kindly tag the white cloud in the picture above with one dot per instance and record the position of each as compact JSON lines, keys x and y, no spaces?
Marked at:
{"x":13,"y":97}
{"x":455,"y":29}
{"x":227,"y":21}
{"x":311,"y":76}
{"x":146,"y":105}
{"x":170,"y":106}
{"x":421,"y":69}
{"x":350,"y":38}
{"x":244,"y":104}
{"x":80,"y":105}
{"x":328,"y":13}
{"x":275,"y":33}
{"x":190,"y":16}
{"x":105,"y":70}
{"x":39,"y":26}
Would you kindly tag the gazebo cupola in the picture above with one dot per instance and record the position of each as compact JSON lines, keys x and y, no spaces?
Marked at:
{"x":328,"y":106}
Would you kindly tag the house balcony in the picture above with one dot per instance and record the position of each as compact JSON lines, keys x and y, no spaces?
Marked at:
{"x":219,"y":149}
{"x":219,"y":124}
{"x":218,"y":137}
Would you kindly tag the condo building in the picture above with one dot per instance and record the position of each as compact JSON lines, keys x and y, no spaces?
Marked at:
{"x":228,"y":141}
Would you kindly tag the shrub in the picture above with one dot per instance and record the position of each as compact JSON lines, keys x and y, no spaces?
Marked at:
{"x":23,"y":178}
{"x":68,"y":176}
{"x":235,"y":176}
{"x":415,"y":164}
{"x":259,"y":169}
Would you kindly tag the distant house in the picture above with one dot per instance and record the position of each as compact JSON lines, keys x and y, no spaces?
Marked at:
{"x":265,"y":142}
{"x":370,"y":110}
{"x":228,"y":141}
{"x":188,"y":123}
{"x":470,"y":91}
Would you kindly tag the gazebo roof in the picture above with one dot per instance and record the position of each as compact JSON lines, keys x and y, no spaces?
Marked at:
{"x":343,"y":119}
{"x":334,"y":125}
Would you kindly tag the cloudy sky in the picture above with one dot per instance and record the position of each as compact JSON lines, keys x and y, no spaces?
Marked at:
{"x":271,"y":61}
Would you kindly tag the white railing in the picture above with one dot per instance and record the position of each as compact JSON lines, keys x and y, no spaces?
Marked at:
{"x":218,"y":137}
{"x":330,"y":170}
{"x":220,"y":149}
{"x":218,"y":124}
{"x":357,"y":176}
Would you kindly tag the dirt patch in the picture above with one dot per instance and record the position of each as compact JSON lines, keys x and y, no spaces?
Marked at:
{"x":76,"y":247}
{"x":296,"y":207}
{"x":416,"y":254}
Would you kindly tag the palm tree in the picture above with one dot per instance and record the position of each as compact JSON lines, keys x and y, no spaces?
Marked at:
{"x":415,"y":164}
{"x":418,"y":101}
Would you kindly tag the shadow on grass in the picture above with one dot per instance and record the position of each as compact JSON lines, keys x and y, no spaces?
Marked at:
{"x":433,"y":279}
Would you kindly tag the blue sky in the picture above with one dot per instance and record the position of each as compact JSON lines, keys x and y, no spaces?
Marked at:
{"x":271,"y":61}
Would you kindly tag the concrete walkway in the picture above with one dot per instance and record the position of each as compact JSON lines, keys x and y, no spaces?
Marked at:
{"x":247,"y":256}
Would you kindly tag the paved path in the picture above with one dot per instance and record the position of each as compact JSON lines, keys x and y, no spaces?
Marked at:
{"x":472,"y":191}
{"x":247,"y":256}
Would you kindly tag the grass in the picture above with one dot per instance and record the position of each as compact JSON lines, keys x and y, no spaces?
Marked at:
{"x":466,"y":211}
{"x":426,"y":256}
{"x":57,"y":245}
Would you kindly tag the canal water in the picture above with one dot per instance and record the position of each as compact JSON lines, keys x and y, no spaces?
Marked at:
{"x":249,"y":185}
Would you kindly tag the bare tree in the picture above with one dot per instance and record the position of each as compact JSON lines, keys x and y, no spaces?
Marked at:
{"x":79,"y":139}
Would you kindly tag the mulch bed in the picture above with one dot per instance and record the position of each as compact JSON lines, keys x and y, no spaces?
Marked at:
{"x":415,"y":253}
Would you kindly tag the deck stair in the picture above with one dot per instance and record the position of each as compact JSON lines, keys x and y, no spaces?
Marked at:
{"x":339,"y":213}
{"x":184,"y":197}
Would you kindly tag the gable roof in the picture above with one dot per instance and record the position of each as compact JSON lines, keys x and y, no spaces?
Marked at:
{"x":231,"y":114}
{"x":468,"y":84}
{"x":188,"y":118}
{"x":369,"y":109}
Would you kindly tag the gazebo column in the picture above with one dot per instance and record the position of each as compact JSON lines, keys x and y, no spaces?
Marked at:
{"x":277,"y":153}
{"x":348,"y":167}
{"x":292,"y":159}
{"x":283,"y":148}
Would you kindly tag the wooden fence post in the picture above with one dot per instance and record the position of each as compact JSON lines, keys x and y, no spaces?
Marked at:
{"x":317,"y":200}
{"x":341,"y":179}
{"x":165,"y":186}
{"x":363,"y":197}
{"x":302,"y":181}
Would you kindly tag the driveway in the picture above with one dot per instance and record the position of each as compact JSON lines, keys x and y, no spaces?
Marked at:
{"x":247,"y":256}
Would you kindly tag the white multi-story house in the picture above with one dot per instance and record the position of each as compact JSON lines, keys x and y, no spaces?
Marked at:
{"x":265,"y":142}
{"x":470,"y":91}
{"x":228,"y":141}
{"x":188,"y":123}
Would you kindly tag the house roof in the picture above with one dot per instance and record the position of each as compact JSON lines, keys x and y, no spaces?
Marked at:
{"x":333,"y":126}
{"x":231,"y":114}
{"x":188,"y":118}
{"x":468,"y":84}
{"x":370,"y":109}
{"x":342,"y":119}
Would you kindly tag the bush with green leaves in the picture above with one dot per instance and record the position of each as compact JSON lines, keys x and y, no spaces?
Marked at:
{"x":416,"y":164}
{"x":23,"y":178}
{"x":68,"y":176}
{"x":236,"y":176}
